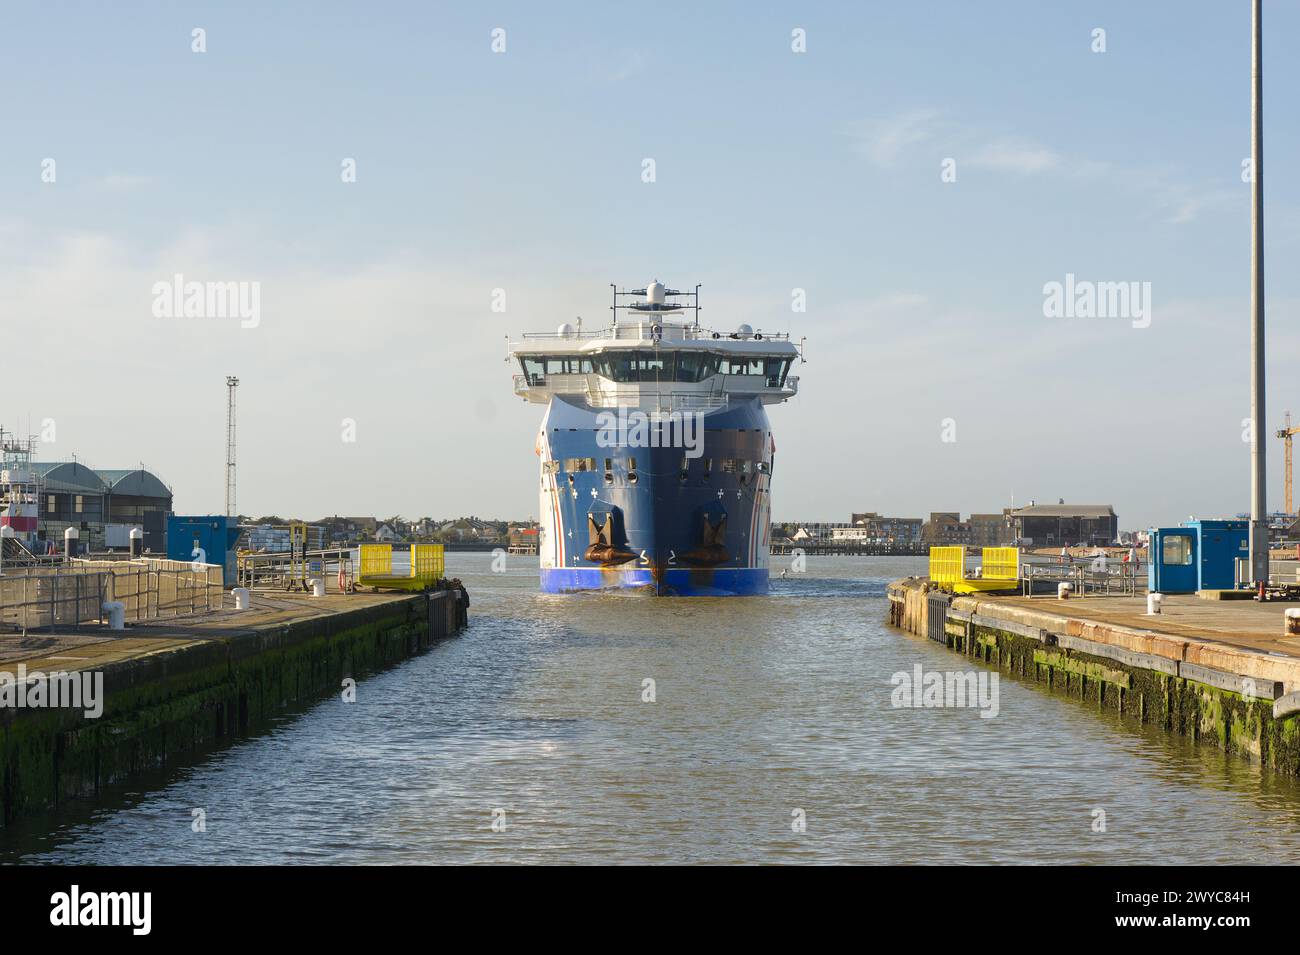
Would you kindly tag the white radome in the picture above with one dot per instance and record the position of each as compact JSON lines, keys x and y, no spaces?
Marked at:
{"x":654,"y":293}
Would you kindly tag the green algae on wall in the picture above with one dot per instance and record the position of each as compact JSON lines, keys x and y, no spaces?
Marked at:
{"x":158,"y":709}
{"x":1235,"y":724}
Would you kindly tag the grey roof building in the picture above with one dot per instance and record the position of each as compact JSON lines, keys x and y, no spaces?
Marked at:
{"x":74,"y":495}
{"x":1066,"y":524}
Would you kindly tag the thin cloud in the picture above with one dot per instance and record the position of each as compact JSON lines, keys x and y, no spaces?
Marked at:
{"x":887,"y":142}
{"x":1015,"y":155}
{"x":117,"y":182}
{"x":884,"y":142}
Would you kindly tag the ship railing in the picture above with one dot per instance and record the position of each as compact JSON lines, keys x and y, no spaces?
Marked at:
{"x":590,"y":387}
{"x":642,"y":330}
{"x":597,"y":396}
{"x":660,"y":401}
{"x":555,"y":384}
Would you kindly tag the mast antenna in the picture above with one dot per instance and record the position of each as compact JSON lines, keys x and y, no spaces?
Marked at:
{"x":231,"y":384}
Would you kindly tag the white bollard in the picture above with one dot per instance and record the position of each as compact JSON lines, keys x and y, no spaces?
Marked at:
{"x":70,"y":543}
{"x":1153,"y":603}
{"x":1063,"y":591}
{"x":242,"y":597}
{"x":115,"y":611}
{"x":1293,"y":622}
{"x":317,"y":587}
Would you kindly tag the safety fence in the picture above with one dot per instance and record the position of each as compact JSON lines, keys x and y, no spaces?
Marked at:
{"x":427,"y":561}
{"x":425,"y":566}
{"x":73,"y":594}
{"x":376,"y":560}
{"x":1000,"y":563}
{"x":1002,"y":566}
{"x":290,"y":570}
{"x":947,"y":565}
{"x":1096,"y":574}
{"x":999,"y":569}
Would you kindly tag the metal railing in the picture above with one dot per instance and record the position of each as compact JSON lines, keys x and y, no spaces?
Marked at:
{"x":1095,"y":575}
{"x":51,"y":597}
{"x":73,"y":595}
{"x":153,"y":588}
{"x":589,"y":387}
{"x":283,"y":570}
{"x":640,"y":329}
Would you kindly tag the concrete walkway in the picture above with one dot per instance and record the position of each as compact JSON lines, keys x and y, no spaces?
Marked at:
{"x":1240,"y":623}
{"x":93,"y":647}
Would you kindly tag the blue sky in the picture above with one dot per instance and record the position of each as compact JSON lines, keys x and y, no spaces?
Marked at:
{"x":774,"y":170}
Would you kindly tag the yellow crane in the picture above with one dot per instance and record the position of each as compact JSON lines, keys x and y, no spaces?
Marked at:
{"x":1285,"y":434}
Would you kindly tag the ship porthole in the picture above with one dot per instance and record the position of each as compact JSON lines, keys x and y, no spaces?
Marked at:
{"x":631,"y":478}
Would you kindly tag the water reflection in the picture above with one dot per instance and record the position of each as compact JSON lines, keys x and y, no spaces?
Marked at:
{"x":763,"y":706}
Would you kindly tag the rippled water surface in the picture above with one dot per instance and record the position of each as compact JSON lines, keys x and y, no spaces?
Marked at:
{"x":764,"y":706}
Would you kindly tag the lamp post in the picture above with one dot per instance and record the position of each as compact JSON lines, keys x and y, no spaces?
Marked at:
{"x":1259,"y":477}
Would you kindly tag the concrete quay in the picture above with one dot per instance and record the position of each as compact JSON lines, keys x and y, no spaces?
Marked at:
{"x":1221,"y":672}
{"x":172,"y":687}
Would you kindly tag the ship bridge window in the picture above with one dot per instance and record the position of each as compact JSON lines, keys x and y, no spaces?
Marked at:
{"x":537,"y":367}
{"x":773,"y":369}
{"x":742,"y":366}
{"x":777,"y":368}
{"x":695,"y":366}
{"x":652,"y":366}
{"x":635,"y":366}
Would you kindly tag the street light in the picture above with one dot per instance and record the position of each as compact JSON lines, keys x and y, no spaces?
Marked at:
{"x":1258,"y":477}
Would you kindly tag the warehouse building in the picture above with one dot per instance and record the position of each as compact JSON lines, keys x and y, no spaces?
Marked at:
{"x":102,"y":505}
{"x":1067,"y":525}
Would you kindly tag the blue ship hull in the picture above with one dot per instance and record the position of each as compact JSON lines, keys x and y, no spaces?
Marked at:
{"x":723,"y":582}
{"x":669,"y":520}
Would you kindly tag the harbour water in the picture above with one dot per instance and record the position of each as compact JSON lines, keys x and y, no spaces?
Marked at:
{"x":763,"y":707}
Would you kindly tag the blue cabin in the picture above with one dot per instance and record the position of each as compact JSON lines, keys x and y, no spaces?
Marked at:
{"x":209,"y":539}
{"x":1197,"y":555}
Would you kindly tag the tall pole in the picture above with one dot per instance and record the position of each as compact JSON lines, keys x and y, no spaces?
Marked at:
{"x":231,"y":384}
{"x":1258,"y":477}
